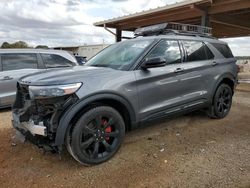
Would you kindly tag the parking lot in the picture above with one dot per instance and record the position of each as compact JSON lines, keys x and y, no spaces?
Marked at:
{"x":188,"y":151}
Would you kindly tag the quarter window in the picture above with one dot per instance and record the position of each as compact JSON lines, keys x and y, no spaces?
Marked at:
{"x":55,"y":61}
{"x":19,"y":61}
{"x":167,"y":49}
{"x":224,"y":50}
{"x":196,"y":51}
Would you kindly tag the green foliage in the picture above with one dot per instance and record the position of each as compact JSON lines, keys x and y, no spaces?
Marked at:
{"x":19,"y":44}
{"x":5,"y":45}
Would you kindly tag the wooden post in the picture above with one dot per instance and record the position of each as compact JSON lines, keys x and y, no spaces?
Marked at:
{"x":205,"y":19}
{"x":118,"y":35}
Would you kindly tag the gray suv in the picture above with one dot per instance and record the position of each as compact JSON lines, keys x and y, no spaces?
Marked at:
{"x":16,"y":63}
{"x":158,"y":74}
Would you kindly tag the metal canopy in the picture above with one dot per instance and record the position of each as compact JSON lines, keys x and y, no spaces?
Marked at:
{"x":228,"y":18}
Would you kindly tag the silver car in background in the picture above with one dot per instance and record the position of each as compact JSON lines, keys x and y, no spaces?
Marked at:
{"x":15,"y":63}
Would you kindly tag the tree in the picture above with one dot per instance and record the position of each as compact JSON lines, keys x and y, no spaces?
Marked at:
{"x":19,"y":44}
{"x":5,"y":45}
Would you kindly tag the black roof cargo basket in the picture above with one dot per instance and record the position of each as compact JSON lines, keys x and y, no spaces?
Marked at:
{"x":174,"y":28}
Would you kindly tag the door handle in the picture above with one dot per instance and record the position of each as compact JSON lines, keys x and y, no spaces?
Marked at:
{"x":214,"y":63}
{"x":6,"y":78}
{"x":179,"y":70}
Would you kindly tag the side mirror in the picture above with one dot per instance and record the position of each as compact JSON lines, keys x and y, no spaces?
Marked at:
{"x":153,"y":62}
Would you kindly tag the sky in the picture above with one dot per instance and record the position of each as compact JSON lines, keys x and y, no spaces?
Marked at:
{"x":70,"y":22}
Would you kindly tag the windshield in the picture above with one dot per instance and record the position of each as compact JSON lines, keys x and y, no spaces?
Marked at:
{"x":121,"y":55}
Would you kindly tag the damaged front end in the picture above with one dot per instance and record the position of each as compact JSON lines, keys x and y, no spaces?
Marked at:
{"x":37,"y":117}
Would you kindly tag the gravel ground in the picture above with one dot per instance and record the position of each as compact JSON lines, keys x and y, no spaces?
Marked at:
{"x":244,"y":75}
{"x":188,"y":151}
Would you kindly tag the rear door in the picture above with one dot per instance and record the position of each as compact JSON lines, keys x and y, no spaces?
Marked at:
{"x":195,"y":75}
{"x":14,"y":66}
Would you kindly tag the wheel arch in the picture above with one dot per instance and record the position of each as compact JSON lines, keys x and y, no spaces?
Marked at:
{"x":117,"y":102}
{"x":226,"y":78}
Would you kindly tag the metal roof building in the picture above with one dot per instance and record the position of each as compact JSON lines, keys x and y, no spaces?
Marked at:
{"x":87,"y":51}
{"x":228,"y":18}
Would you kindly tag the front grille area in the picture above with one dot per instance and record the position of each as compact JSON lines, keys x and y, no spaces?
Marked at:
{"x":24,"y":88}
{"x":46,"y":110}
{"x":21,"y":96}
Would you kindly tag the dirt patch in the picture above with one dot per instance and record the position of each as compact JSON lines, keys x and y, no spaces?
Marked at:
{"x":244,"y":75}
{"x":5,"y":118}
{"x":188,"y":151}
{"x":244,"y":87}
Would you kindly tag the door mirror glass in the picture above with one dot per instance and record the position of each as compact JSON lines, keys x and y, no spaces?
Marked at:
{"x":153,"y":62}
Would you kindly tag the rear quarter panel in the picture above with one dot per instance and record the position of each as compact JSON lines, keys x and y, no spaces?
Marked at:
{"x":226,"y":68}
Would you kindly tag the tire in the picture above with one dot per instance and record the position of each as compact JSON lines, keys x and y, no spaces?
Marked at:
{"x":97,"y":136}
{"x":222,"y":102}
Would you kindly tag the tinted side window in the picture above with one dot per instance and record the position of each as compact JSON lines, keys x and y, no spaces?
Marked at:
{"x":196,"y":51}
{"x":19,"y":61}
{"x":223,"y":49}
{"x":54,"y":61}
{"x":167,"y":49}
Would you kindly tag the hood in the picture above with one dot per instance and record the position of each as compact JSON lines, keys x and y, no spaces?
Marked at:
{"x":67,"y":75}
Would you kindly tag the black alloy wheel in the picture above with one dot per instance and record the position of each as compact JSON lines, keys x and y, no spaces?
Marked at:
{"x":222,"y":102}
{"x":97,"y":135}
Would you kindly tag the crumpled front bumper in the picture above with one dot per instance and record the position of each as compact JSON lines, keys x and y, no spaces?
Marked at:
{"x":38,"y":119}
{"x":29,"y":126}
{"x":36,"y":134}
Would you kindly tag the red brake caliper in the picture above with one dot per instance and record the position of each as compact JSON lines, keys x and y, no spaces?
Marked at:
{"x":108,"y":129}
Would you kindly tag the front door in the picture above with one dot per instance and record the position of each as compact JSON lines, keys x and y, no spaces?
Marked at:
{"x":159,"y":88}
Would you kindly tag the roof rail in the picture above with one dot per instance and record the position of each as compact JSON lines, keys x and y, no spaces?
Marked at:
{"x":174,"y":28}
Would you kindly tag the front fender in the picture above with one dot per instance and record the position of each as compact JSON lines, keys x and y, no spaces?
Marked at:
{"x":73,"y":110}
